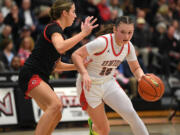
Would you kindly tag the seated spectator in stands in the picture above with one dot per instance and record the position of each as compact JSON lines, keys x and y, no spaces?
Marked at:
{"x":89,"y":9}
{"x":141,"y":39}
{"x":177,"y":29}
{"x":169,"y":48}
{"x":157,"y":36}
{"x":15,"y":64}
{"x":27,"y":14}
{"x":6,"y":33}
{"x":1,"y":22}
{"x":25,"y":32}
{"x":104,"y":10}
{"x":128,"y":8}
{"x":26,"y":47}
{"x":6,"y":55}
{"x":115,"y":5}
{"x":164,"y":15}
{"x":6,"y":8}
{"x":15,"y":22}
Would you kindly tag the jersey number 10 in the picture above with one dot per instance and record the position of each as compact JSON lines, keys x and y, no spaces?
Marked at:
{"x":105,"y":71}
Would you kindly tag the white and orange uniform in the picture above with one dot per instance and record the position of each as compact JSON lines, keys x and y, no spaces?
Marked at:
{"x":106,"y":56}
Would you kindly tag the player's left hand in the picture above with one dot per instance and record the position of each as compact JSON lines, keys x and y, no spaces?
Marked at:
{"x":86,"y":81}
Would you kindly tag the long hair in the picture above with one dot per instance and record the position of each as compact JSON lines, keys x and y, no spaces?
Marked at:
{"x":58,"y":7}
{"x":108,"y":28}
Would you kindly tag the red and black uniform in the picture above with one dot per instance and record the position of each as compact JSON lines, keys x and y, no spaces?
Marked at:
{"x":42,"y":60}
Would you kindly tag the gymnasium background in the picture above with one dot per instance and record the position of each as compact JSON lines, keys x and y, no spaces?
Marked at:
{"x":156,"y":39}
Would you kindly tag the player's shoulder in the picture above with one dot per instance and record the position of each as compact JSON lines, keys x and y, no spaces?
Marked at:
{"x":130,"y":44}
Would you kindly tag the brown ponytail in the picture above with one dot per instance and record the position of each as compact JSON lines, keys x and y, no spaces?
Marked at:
{"x":105,"y":29}
{"x":58,"y":7}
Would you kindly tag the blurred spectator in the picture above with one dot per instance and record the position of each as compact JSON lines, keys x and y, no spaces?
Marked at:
{"x":1,"y":4}
{"x":2,"y":67}
{"x":128,"y":8}
{"x":154,"y":7}
{"x":15,"y":22}
{"x":15,"y":64}
{"x":1,"y":22}
{"x":6,"y":55}
{"x":141,"y":39}
{"x":89,"y":9}
{"x":104,"y":10}
{"x":26,"y":47}
{"x":26,"y":13}
{"x":177,"y":29}
{"x":25,"y":32}
{"x":173,"y":7}
{"x":115,"y":5}
{"x":177,"y":71}
{"x":41,"y":9}
{"x":169,"y":48}
{"x":142,"y":4}
{"x":157,"y":36}
{"x":164,"y":14}
{"x":142,"y":14}
{"x":178,"y":6}
{"x":7,"y":7}
{"x":6,"y":33}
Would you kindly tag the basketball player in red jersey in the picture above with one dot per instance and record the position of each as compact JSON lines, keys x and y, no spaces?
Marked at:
{"x":45,"y":58}
{"x":96,"y":84}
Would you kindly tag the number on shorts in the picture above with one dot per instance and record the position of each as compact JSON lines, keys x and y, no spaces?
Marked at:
{"x":105,"y":71}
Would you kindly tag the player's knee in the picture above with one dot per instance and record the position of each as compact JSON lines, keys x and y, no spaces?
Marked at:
{"x":56,"y":107}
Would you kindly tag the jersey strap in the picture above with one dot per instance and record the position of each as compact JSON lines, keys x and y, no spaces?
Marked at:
{"x":128,"y":48}
{"x":113,"y":47}
{"x":45,"y":36}
{"x":99,"y":53}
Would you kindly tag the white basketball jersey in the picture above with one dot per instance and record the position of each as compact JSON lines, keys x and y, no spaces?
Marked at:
{"x":105,"y":62}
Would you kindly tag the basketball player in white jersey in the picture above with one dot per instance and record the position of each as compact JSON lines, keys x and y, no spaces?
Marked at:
{"x":96,"y":84}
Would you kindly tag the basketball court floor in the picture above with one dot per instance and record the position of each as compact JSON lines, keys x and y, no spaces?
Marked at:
{"x":154,"y":129}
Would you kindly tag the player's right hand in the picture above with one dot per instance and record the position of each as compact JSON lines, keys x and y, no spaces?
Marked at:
{"x":88,"y":25}
{"x":86,"y":81}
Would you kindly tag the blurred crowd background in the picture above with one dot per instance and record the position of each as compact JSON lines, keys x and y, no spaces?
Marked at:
{"x":156,"y":37}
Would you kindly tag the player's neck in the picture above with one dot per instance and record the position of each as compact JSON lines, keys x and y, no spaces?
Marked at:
{"x":61,"y":23}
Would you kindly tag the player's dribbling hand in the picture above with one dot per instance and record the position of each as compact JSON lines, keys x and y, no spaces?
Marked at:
{"x":88,"y":25}
{"x":86,"y":81}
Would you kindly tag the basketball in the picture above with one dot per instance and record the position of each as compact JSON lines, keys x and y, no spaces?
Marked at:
{"x":150,"y":88}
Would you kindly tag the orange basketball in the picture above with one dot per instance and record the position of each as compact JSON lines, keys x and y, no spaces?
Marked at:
{"x":150,"y":87}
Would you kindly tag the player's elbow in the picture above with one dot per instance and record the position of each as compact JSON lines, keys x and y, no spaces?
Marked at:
{"x":74,"y":56}
{"x":61,"y":50}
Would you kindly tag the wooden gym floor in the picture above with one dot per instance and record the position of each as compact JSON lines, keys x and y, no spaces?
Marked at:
{"x":157,"y":124}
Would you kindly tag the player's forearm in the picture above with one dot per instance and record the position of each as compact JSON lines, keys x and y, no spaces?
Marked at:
{"x":78,"y":61}
{"x":71,"y":42}
{"x":138,"y":73}
{"x":64,"y":67}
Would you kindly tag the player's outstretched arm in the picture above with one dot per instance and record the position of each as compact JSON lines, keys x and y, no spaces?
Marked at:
{"x":62,"y":45}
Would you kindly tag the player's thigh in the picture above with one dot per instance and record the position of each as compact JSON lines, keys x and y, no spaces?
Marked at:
{"x":44,"y":95}
{"x":117,"y":99}
{"x":98,"y":116}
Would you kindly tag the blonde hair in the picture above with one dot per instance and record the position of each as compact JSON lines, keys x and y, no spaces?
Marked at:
{"x":30,"y":39}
